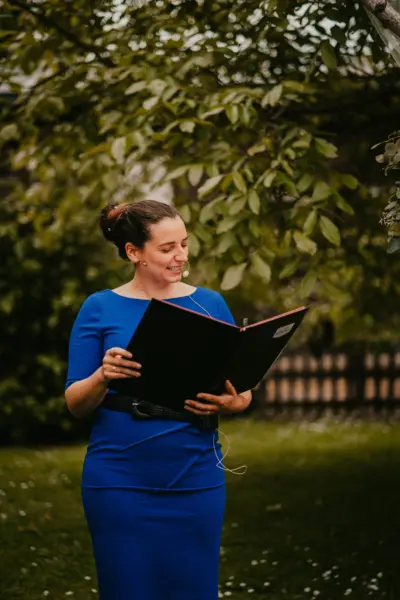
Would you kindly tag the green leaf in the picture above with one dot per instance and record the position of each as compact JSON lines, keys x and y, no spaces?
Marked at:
{"x":232,"y":113}
{"x":138,"y":86}
{"x":304,"y":182}
{"x":290,"y":268}
{"x":178,"y":172}
{"x":393,"y":245}
{"x":307,"y":284}
{"x":269,"y":179}
{"x":227,"y":224}
{"x":325,"y":148}
{"x":187,"y":126}
{"x":184,"y":211}
{"x":150,"y":103}
{"x":118,"y":148}
{"x":194,"y":244}
{"x":254,"y":201}
{"x":227,"y":240}
{"x":195,"y":174}
{"x":239,"y":181}
{"x":329,"y":230}
{"x":208,"y":212}
{"x":273,"y":96}
{"x":343,"y":204}
{"x":304,"y":244}
{"x":310,"y":221}
{"x":328,"y":55}
{"x":237,"y":206}
{"x":349,"y":181}
{"x":321,"y":191}
{"x":233,"y":276}
{"x":260,"y":267}
{"x":9,"y":132}
{"x":213,"y":111}
{"x":209,"y":185}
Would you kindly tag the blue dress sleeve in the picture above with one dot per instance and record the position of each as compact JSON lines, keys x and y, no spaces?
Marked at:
{"x":86,"y":342}
{"x":224,"y":314}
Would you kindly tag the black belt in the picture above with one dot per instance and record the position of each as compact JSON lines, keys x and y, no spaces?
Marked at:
{"x":141,"y":409}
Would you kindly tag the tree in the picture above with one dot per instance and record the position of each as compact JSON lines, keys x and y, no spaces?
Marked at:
{"x":251,"y":108}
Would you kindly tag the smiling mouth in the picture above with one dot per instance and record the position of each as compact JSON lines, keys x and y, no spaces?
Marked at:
{"x":176,"y":269}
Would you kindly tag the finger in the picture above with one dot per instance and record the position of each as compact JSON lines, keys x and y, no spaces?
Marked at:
{"x":230,"y":388}
{"x":204,"y":408}
{"x":129,"y":372}
{"x":211,"y":398}
{"x":201,"y":413}
{"x":130,"y":364}
{"x":119,"y":351}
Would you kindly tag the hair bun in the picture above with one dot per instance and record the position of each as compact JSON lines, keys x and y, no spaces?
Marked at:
{"x":109,"y":217}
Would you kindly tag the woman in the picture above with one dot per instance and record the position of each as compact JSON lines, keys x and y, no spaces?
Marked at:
{"x":152,"y":491}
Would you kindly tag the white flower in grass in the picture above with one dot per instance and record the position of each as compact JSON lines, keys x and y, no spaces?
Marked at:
{"x":228,"y":583}
{"x":22,"y":513}
{"x":316,"y":593}
{"x":353,"y":579}
{"x":254,"y":562}
{"x":264,"y":552}
{"x":274,"y":563}
{"x":69,"y":593}
{"x":250,"y":590}
{"x":266,"y":584}
{"x":33,"y":548}
{"x":348,"y":592}
{"x":307,"y":590}
{"x":94,"y":591}
{"x":380,"y":575}
{"x":2,"y":493}
{"x":34,"y":564}
{"x":262,"y":561}
{"x":231,"y":577}
{"x":46,"y":593}
{"x":23,"y":486}
{"x":235,"y":525}
{"x":11,"y":484}
{"x":228,"y":593}
{"x":220,"y":595}
{"x":242,"y":584}
{"x":87,"y":577}
{"x":3,"y":516}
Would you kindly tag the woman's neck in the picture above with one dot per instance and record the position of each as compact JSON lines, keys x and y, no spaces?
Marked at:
{"x":147,"y":290}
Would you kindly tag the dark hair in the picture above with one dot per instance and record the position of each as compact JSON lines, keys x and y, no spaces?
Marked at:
{"x":130,"y":222}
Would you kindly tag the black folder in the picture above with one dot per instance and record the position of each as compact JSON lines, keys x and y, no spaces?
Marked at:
{"x":183,"y":353}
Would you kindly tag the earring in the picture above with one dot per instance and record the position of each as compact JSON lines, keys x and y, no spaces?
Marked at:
{"x":144,"y":263}
{"x":186,"y":271}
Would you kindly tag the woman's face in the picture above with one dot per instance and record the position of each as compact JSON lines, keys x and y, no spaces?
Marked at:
{"x":165,"y":252}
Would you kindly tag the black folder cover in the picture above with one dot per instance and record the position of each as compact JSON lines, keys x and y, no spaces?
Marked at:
{"x":183,"y":353}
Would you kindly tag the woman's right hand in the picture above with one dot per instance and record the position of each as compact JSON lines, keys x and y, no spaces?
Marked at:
{"x":117,"y":364}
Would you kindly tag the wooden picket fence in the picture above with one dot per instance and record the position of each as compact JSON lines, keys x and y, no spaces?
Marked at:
{"x":338,"y":380}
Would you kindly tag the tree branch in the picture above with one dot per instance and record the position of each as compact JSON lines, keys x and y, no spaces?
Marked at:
{"x":387,"y":15}
{"x":69,"y":35}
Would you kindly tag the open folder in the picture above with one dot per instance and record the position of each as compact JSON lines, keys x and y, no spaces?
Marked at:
{"x":183,"y":353}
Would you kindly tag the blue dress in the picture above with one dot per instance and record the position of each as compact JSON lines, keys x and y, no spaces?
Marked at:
{"x":152,"y":492}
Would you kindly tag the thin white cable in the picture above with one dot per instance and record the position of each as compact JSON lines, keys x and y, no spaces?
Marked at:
{"x":236,"y":470}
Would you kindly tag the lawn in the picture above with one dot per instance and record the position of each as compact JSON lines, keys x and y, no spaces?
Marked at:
{"x":315,"y":516}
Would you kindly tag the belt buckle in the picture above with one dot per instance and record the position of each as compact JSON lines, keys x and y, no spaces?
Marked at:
{"x":136,"y":412}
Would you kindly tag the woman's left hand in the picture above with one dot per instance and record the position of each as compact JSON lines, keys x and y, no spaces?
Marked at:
{"x":231,"y":402}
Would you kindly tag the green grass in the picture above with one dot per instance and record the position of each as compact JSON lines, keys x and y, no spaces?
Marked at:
{"x":316,"y":514}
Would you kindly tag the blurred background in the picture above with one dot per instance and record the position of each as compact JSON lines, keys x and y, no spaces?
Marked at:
{"x":272,"y":126}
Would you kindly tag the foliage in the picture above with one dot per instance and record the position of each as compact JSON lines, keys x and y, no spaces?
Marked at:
{"x":391,"y":214}
{"x":249,"y":109}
